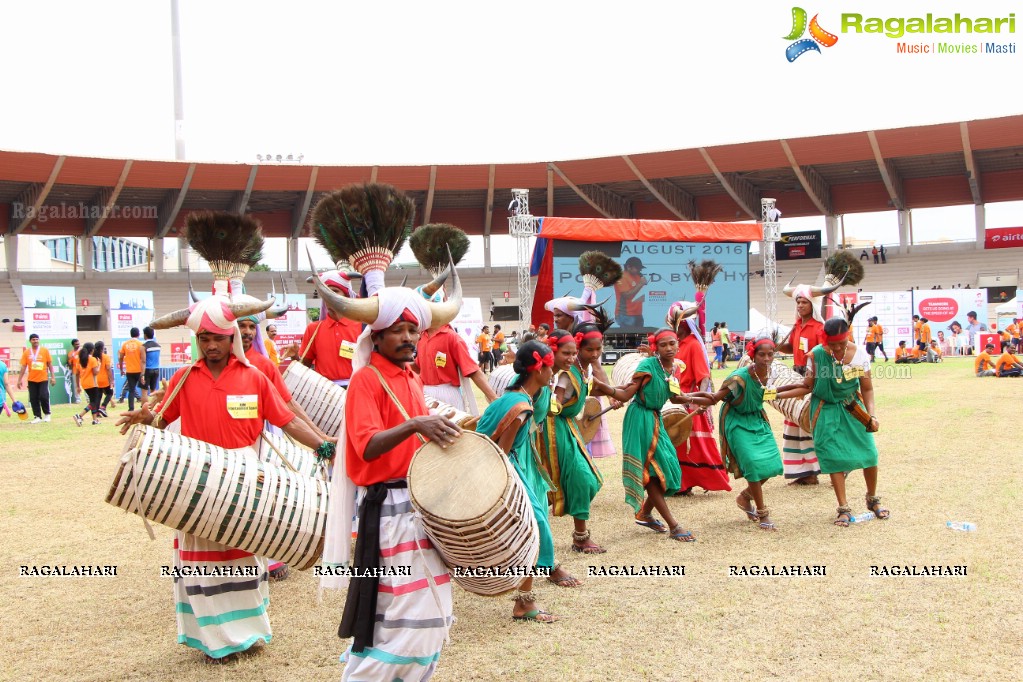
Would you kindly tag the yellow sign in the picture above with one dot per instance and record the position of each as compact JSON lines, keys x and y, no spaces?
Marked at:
{"x":347,"y":350}
{"x":243,"y":406}
{"x":441,"y":360}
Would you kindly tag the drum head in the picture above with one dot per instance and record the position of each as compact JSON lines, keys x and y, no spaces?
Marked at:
{"x":461,"y":482}
{"x":588,"y":428}
{"x":677,"y":426}
{"x":623,"y":370}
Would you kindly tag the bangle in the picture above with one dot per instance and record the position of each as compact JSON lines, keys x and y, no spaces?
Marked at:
{"x":325,"y":451}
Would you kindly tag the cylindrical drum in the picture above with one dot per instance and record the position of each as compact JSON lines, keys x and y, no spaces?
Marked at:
{"x":623,"y":370}
{"x":500,"y":378}
{"x":274,"y":449}
{"x":227,"y":496}
{"x":476,"y":512}
{"x":796,"y":410}
{"x":676,"y":423}
{"x":321,"y":398}
{"x":463,"y":419}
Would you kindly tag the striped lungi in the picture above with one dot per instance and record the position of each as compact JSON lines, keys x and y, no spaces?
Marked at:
{"x":412,"y":616}
{"x":453,"y":396}
{"x":799,"y":456}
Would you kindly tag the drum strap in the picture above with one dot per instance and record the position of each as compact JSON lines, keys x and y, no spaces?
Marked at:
{"x":311,"y":339}
{"x":394,"y":399}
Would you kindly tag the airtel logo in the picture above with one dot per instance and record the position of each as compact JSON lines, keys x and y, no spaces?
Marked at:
{"x":1007,"y":238}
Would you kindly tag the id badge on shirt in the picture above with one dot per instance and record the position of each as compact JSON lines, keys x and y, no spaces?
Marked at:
{"x":441,"y":360}
{"x":243,"y":406}
{"x":849,"y":372}
{"x":803,"y":344}
{"x":38,"y":366}
{"x":673,"y":386}
{"x":770,"y":394}
{"x":347,"y":350}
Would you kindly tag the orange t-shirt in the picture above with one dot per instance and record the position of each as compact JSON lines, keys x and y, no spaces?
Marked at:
{"x":869,"y":338}
{"x":632,"y":305}
{"x":1006,"y":361}
{"x":132,"y":355}
{"x":86,"y":377}
{"x":105,"y":369}
{"x":878,"y":333}
{"x":925,"y":334}
{"x":36,"y":361}
{"x":915,"y":353}
{"x":901,"y":352}
{"x":983,"y":362}
{"x":916,"y":330}
{"x":484,"y":343}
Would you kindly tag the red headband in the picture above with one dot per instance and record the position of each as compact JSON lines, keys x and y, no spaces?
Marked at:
{"x":408,"y":316}
{"x":555,"y":341}
{"x":545,"y":361}
{"x":580,"y":337}
{"x":653,"y":339}
{"x":758,"y":344}
{"x":836,"y":338}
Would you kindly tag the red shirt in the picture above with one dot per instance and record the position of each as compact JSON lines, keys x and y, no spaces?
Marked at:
{"x":327,"y":348}
{"x":813,"y":332}
{"x":455,"y":358}
{"x":202,"y":404}
{"x":694,"y":356}
{"x":374,"y":412}
{"x":269,"y":369}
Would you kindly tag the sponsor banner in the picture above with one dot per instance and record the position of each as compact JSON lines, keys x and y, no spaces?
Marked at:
{"x":128,"y":308}
{"x":797,"y":245}
{"x":942,"y":307}
{"x":50,"y":313}
{"x":1019,"y":303}
{"x":5,"y":356}
{"x":1003,"y":237}
{"x":656,"y":275}
{"x":290,"y":326}
{"x":181,"y":353}
{"x":984,"y":338}
{"x":469,"y":323}
{"x":894,"y":312}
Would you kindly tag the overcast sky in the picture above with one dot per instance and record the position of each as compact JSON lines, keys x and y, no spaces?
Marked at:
{"x":473,"y":82}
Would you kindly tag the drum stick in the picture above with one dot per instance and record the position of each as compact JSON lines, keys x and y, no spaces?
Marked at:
{"x":599,"y":414}
{"x":279,"y":453}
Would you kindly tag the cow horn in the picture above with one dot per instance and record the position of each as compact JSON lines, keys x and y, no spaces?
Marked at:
{"x":789,"y":290}
{"x":191,"y":292}
{"x":443,"y":313}
{"x":361,"y":310}
{"x":431,"y":288}
{"x":175,"y":319}
{"x":824,"y":291}
{"x":277,"y":309}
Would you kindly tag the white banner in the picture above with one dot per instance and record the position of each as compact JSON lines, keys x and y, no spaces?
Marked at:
{"x":894,"y":312}
{"x":50,"y":312}
{"x":469,"y":323}
{"x":942,"y":307}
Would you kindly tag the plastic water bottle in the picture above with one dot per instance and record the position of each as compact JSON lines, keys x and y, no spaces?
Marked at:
{"x":862,"y":517}
{"x":961,"y":525}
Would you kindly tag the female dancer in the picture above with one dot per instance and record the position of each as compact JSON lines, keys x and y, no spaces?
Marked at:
{"x":838,"y":376}
{"x":87,"y":372}
{"x":649,"y":463}
{"x":511,"y":420}
{"x":564,"y":454}
{"x":748,"y":447}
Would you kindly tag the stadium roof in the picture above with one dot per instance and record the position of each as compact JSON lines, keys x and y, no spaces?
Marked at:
{"x":925,"y":166}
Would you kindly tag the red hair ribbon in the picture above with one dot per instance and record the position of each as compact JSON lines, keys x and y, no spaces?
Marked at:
{"x":758,"y":344}
{"x":653,"y":339}
{"x":580,"y":337}
{"x":545,"y":361}
{"x":836,"y":338}
{"x":555,"y":341}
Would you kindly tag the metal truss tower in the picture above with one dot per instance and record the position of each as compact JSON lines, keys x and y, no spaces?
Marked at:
{"x":523,"y":227}
{"x":772,"y":234}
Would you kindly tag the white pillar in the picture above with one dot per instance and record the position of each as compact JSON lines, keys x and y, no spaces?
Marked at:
{"x":183,"y":254}
{"x":980,"y":221}
{"x":903,"y":231}
{"x":11,"y":253}
{"x":87,"y":251}
{"x":486,"y":254}
{"x":293,"y":256}
{"x":831,"y":227}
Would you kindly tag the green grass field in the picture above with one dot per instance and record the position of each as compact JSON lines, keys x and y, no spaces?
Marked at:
{"x":950,"y":450}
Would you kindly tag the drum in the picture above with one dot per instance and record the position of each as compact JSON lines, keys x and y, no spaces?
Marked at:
{"x":321,"y":398}
{"x":623,"y":370}
{"x":796,"y":410}
{"x":463,"y":419}
{"x":500,"y":378}
{"x":273,"y":446}
{"x":225,"y":496}
{"x":476,"y":512}
{"x":588,"y":427}
{"x":676,"y":423}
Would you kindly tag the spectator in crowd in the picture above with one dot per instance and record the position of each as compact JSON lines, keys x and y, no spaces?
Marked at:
{"x":876,"y":254}
{"x":151,"y":378}
{"x":726,"y":341}
{"x":984,"y":366}
{"x":863,"y":255}
{"x":36,"y":361}
{"x":73,"y":367}
{"x":499,"y":345}
{"x":1016,"y":333}
{"x":1008,"y":365}
{"x":925,"y":335}
{"x":715,"y":339}
{"x":271,"y":345}
{"x":542,"y":332}
{"x":131,"y":361}
{"x":934,"y":352}
{"x":903,"y":354}
{"x":884,"y":254}
{"x":486,"y":347}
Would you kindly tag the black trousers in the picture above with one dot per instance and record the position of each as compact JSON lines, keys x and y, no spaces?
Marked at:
{"x":39,"y":397}
{"x":94,"y":397}
{"x":131,"y":383}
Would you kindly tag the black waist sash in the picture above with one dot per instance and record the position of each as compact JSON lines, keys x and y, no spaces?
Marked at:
{"x":359,"y":615}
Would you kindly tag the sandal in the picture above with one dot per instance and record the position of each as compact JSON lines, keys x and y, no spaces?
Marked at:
{"x":681,"y":535}
{"x":588,"y":547}
{"x":874,"y":505}
{"x":648,"y":521}
{"x":537,"y":616}
{"x":566,"y":580}
{"x":846,"y":511}
{"x":805,"y":480}
{"x":765,"y":525}
{"x":751,"y":511}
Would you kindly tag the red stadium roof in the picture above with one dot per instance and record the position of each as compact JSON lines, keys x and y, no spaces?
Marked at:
{"x":925,"y":166}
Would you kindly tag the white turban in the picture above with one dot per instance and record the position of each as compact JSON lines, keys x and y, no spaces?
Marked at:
{"x":213,"y":315}
{"x":803,"y":291}
{"x":393,"y":302}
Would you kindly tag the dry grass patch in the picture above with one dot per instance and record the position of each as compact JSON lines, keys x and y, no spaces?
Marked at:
{"x":949,"y":448}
